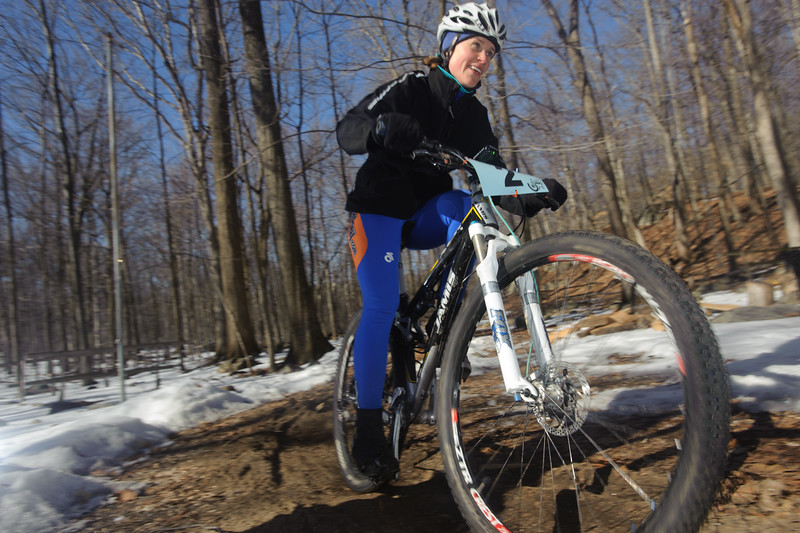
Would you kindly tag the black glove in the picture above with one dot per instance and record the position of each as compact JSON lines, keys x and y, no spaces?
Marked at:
{"x":529,"y":204}
{"x":398,"y":132}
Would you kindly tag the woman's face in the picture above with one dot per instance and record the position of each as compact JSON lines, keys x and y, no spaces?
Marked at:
{"x":470,"y":60}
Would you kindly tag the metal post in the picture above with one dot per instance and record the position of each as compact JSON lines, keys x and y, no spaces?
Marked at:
{"x":112,"y":148}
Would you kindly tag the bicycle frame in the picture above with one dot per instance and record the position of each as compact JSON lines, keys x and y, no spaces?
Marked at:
{"x":478,"y":238}
{"x":453,"y":262}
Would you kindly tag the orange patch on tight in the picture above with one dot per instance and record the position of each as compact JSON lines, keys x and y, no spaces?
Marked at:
{"x":358,"y":240}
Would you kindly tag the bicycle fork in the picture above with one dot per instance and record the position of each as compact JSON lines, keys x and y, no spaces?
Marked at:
{"x":488,"y":242}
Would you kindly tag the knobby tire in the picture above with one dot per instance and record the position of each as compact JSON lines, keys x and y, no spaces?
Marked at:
{"x":588,"y":462}
{"x":344,"y":413}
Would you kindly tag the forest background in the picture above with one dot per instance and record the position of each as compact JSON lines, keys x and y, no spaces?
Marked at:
{"x":232,"y":186}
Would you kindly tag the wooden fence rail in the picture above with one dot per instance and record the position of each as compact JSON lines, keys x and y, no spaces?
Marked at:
{"x":41,"y":372}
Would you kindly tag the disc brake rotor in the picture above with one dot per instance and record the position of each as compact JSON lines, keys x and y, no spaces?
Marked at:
{"x":565,"y":405}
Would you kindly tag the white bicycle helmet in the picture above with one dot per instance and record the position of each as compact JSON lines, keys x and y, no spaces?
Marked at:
{"x":473,"y":18}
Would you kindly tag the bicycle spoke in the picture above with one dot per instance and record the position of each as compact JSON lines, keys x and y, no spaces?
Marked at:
{"x":596,"y":451}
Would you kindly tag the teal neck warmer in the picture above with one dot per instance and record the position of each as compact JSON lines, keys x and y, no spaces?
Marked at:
{"x":462,"y":90}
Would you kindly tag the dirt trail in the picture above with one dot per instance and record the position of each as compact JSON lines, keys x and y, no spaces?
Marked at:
{"x":272,"y":468}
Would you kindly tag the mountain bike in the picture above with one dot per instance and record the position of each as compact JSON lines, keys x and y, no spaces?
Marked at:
{"x":555,"y":408}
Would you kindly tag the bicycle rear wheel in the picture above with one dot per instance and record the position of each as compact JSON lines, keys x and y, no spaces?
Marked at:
{"x":634,"y":430}
{"x":344,"y":413}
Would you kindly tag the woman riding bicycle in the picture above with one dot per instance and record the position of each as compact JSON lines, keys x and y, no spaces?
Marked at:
{"x":399,"y":202}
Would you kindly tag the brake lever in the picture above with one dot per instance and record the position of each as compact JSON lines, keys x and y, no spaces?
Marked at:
{"x":439,"y":156}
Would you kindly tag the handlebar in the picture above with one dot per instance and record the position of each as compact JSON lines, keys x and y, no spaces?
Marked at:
{"x":485,"y":179}
{"x":447,"y":159}
{"x":440,"y":156}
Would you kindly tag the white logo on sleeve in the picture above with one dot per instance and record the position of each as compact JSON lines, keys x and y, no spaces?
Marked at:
{"x":389,"y":257}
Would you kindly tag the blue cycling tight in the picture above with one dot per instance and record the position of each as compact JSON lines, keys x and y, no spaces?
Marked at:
{"x":375,"y":244}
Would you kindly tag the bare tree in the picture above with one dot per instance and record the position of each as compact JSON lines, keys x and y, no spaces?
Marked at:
{"x":673,"y":160}
{"x":726,"y":204}
{"x":147,"y":31}
{"x":570,"y":38}
{"x":307,"y":341}
{"x":610,"y":139}
{"x":767,"y":132}
{"x":11,"y":260}
{"x":793,"y":18}
{"x":239,"y":339}
{"x":68,"y":186}
{"x":175,"y":285}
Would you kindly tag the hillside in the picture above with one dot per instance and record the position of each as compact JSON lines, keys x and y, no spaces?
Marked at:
{"x":758,"y":247}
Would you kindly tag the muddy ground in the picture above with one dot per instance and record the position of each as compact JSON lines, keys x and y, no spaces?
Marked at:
{"x":272,"y":468}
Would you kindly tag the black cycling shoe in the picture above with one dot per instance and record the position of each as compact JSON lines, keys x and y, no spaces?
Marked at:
{"x":372,"y":452}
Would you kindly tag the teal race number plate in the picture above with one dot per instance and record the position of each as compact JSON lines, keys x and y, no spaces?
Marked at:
{"x":503,"y":182}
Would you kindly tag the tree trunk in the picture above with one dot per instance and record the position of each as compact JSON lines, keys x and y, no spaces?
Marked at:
{"x":342,"y":166}
{"x":578,"y":195}
{"x":726,"y":203}
{"x":611,"y":145}
{"x":306,"y":338}
{"x":300,"y":97}
{"x":767,"y":133}
{"x":571,"y":40}
{"x":793,"y":18}
{"x":239,"y":335}
{"x":506,"y":128}
{"x":10,"y":261}
{"x":45,"y":251}
{"x":661,"y":114}
{"x":745,"y":152}
{"x":174,"y":276}
{"x":68,"y":189}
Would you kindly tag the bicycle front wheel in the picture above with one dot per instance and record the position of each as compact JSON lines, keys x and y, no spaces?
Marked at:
{"x":633,"y":430}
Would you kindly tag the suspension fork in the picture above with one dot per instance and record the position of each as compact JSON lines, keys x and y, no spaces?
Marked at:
{"x":540,"y":341}
{"x":488,"y":244}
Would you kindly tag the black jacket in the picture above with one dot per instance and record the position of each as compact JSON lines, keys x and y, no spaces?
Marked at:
{"x":392,"y":184}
